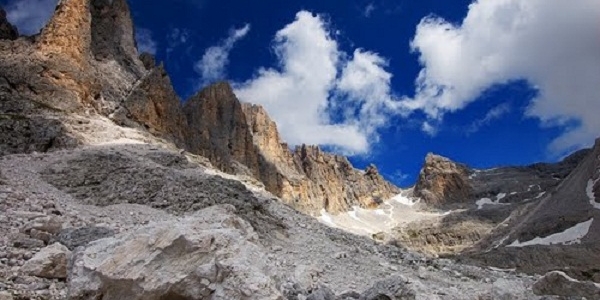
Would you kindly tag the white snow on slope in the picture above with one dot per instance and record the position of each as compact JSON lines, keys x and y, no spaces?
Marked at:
{"x":590,"y":193}
{"x":487,"y":201}
{"x":570,"y":236}
{"x":563,"y":274}
{"x":400,"y":198}
{"x":400,"y":209}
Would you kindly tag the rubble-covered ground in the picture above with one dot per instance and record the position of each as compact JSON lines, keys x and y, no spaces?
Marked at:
{"x":94,"y":200}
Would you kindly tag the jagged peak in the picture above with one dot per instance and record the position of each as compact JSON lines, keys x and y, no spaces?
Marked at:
{"x":220,"y":90}
{"x":91,"y":29}
{"x":69,"y":31}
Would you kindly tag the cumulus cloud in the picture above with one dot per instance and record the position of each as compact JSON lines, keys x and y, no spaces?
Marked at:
{"x":145,"y":41}
{"x":554,"y":45}
{"x":30,"y":15}
{"x":493,"y":114}
{"x":318,"y":94}
{"x":216,"y":58}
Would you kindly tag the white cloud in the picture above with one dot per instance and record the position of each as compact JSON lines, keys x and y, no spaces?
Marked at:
{"x":369,"y":9}
{"x":493,"y":114}
{"x":30,"y":15}
{"x":315,"y":80}
{"x":144,"y":40}
{"x":176,"y":38}
{"x":554,"y":45}
{"x":216,"y":58}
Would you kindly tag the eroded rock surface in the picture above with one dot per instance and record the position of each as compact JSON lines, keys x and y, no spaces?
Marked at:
{"x":211,"y":254}
{"x":560,"y":284}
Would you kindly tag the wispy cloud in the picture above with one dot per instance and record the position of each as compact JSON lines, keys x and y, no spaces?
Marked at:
{"x":176,"y":38}
{"x":369,"y":9}
{"x":30,"y":16}
{"x":145,"y":41}
{"x":216,"y":58}
{"x":493,"y":114}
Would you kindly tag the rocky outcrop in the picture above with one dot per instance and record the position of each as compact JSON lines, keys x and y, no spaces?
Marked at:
{"x":560,"y":284}
{"x":443,"y":181}
{"x":50,"y":262}
{"x":311,"y":179}
{"x":154,"y":105}
{"x":7,"y":30}
{"x":246,"y":141}
{"x":556,"y":230}
{"x":338,"y":183}
{"x":212,"y":254}
{"x":218,"y":129}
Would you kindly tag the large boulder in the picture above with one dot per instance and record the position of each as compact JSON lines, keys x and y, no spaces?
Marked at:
{"x":212,"y":253}
{"x":50,"y":262}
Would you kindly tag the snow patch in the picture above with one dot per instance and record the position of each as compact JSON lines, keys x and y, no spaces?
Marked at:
{"x":326,"y":218}
{"x":570,"y":236}
{"x":400,"y":198}
{"x":540,"y":195}
{"x":500,"y":242}
{"x":487,"y":201}
{"x":589,"y":190}
{"x":567,"y":277}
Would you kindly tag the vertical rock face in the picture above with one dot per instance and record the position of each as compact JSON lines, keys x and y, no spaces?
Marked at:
{"x":218,"y":129}
{"x":154,"y":104}
{"x":7,"y":30}
{"x":309,"y":178}
{"x":69,"y":31}
{"x":443,"y":181}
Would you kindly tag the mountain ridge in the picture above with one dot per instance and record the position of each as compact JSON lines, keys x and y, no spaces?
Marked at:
{"x":88,"y":54}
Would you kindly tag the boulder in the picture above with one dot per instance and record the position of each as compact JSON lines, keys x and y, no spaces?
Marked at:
{"x":49,"y":224}
{"x":321,"y":293}
{"x":50,"y":262}
{"x":395,"y":287}
{"x":558,"y":283}
{"x":210,"y":253}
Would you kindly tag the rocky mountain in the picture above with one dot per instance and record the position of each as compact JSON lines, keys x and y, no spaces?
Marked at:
{"x":110,"y":188}
{"x":85,"y":62}
{"x":536,"y":218}
{"x":556,"y":231}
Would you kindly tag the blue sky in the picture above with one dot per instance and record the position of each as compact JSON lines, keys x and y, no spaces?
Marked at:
{"x":486,"y":83}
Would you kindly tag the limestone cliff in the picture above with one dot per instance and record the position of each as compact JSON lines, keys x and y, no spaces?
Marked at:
{"x":442,"y":181}
{"x":311,"y":179}
{"x":218,"y":129}
{"x":85,"y":63}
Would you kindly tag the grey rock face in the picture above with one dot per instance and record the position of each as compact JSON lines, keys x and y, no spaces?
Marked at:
{"x":560,"y":284}
{"x":77,"y":237}
{"x":211,"y":254}
{"x":321,"y":293}
{"x":395,"y":287}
